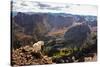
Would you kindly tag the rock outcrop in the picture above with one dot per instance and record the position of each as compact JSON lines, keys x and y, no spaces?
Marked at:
{"x":77,"y":35}
{"x":27,"y":55}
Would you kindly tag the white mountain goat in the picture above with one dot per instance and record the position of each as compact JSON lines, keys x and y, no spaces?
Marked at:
{"x":38,"y":46}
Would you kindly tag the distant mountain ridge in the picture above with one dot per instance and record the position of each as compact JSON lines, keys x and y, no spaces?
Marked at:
{"x":40,"y":25}
{"x":50,"y":21}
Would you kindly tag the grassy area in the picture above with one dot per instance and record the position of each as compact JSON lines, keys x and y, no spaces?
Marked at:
{"x":63,"y":52}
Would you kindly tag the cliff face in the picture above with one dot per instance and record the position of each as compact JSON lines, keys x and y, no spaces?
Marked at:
{"x":45,"y":22}
{"x":30,"y":22}
{"x":77,"y":35}
{"x":42,"y":21}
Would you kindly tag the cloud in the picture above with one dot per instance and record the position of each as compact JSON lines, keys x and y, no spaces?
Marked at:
{"x":35,"y":6}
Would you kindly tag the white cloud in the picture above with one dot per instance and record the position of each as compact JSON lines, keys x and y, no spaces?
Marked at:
{"x":34,"y":6}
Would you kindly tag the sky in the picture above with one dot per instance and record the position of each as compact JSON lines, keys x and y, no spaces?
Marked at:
{"x":53,"y":7}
